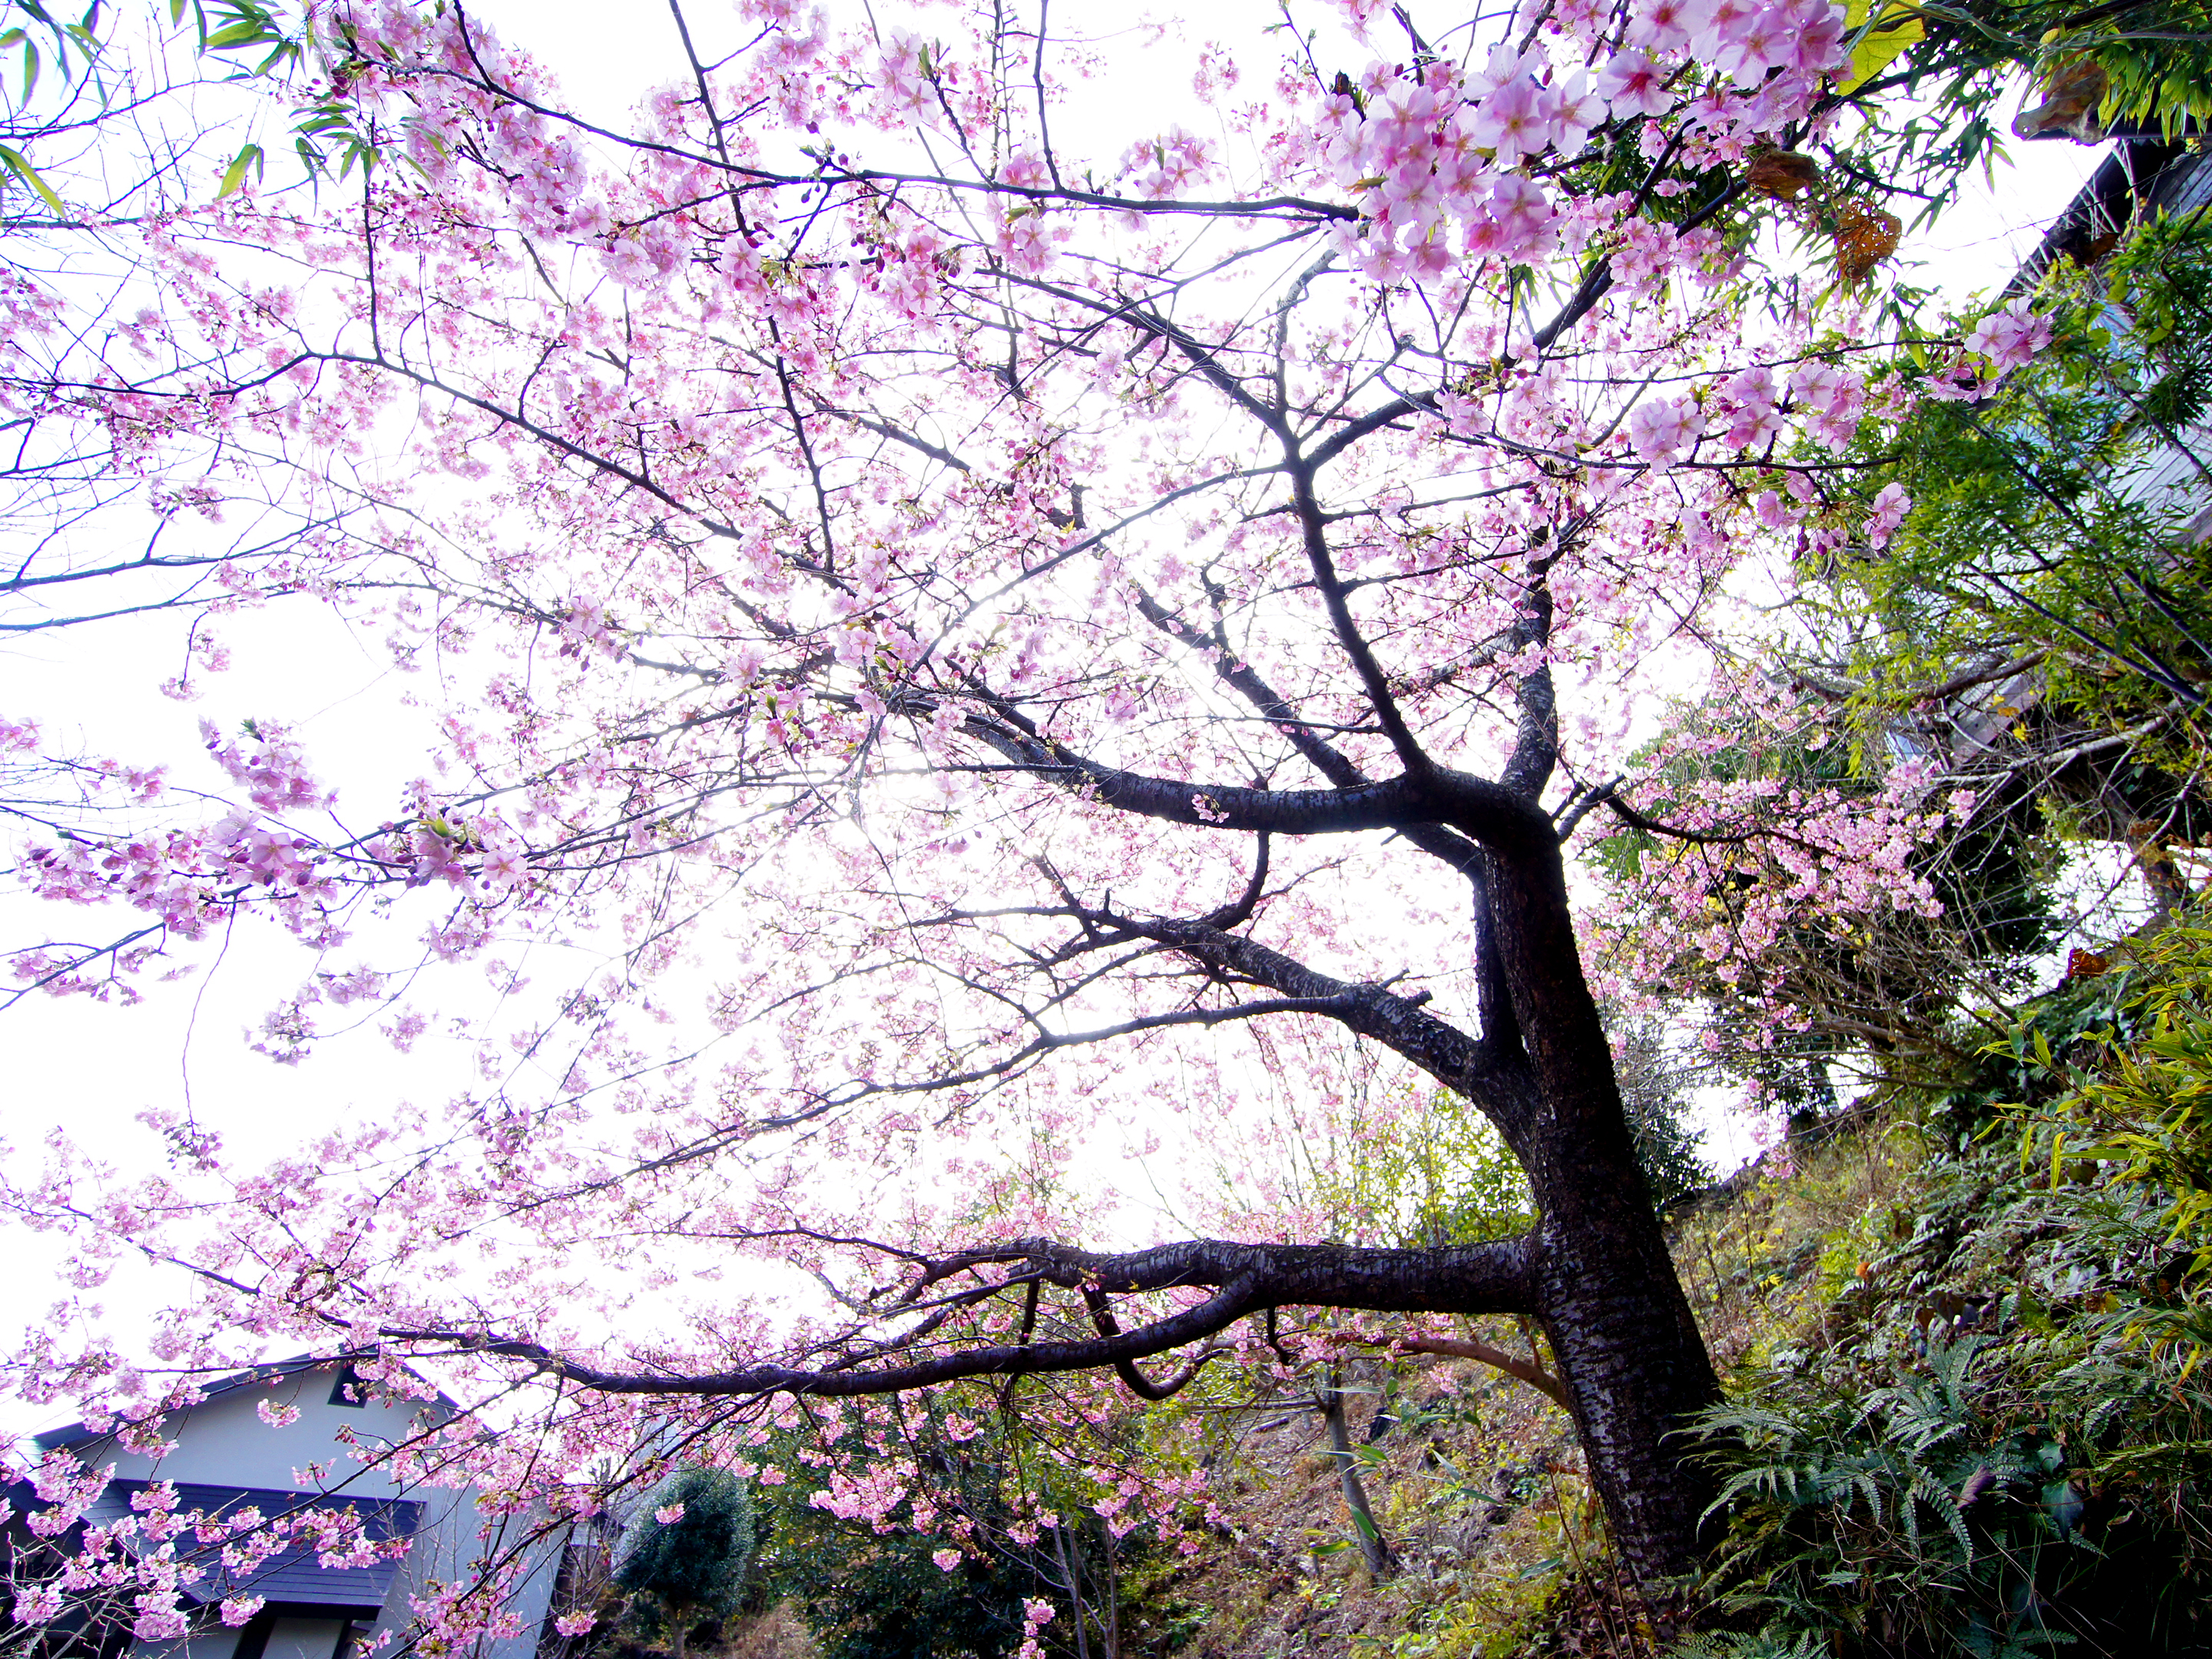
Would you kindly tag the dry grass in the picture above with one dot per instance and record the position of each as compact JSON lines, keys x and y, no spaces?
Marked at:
{"x":1500,"y":1548}
{"x":778,"y":1633}
{"x":1763,"y":1260}
{"x":1479,"y":1488}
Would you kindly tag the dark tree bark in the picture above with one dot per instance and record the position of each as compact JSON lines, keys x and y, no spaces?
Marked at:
{"x":1594,"y":1272}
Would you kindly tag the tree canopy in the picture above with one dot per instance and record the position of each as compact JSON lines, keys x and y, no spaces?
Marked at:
{"x":996,"y":634}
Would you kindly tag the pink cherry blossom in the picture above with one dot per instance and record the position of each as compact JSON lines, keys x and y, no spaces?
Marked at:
{"x":1671,"y":24}
{"x":2011,"y":338}
{"x":1631,"y":83}
{"x":1890,"y":506}
{"x":1577,"y":108}
{"x":1517,"y":121}
{"x":1663,"y":430}
{"x":851,"y":548}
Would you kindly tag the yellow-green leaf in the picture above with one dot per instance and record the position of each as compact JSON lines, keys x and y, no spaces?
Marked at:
{"x":1893,"y":28}
{"x":248,"y":33}
{"x":22,"y":169}
{"x":250,"y":156}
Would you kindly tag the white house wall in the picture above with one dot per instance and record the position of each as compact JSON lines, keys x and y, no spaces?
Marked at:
{"x":225,"y":1443}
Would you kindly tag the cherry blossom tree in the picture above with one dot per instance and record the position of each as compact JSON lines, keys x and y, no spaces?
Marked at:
{"x":1000,"y":638}
{"x":2030,"y":637}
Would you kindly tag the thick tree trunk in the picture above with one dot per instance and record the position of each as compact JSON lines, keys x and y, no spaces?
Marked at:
{"x":1595,"y":1271}
{"x":1624,"y":1342}
{"x":1636,"y":1371}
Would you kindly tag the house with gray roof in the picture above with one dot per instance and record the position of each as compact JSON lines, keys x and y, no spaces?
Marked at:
{"x":228,"y":1458}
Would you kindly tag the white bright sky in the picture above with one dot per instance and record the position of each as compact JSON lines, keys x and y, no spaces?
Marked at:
{"x":89,"y":1068}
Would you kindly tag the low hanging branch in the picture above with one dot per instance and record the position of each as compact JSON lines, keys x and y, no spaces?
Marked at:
{"x":1475,"y":1348}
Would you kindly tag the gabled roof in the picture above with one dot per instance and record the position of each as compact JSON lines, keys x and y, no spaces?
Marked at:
{"x":2140,"y":176}
{"x":75,"y":1434}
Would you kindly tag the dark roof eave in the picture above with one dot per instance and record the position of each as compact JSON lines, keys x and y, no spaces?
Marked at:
{"x":2103,"y":206}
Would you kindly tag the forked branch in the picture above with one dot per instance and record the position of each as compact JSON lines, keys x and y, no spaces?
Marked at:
{"x":1246,"y":1278}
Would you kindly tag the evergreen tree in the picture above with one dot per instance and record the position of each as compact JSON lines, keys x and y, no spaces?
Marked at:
{"x":689,"y":1549}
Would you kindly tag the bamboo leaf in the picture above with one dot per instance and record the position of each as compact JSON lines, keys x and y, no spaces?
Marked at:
{"x":250,"y":156}
{"x":22,"y":169}
{"x":1875,"y":46}
{"x":248,"y":33}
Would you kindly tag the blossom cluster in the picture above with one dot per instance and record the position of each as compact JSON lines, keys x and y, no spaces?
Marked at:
{"x":148,"y":1558}
{"x":1434,"y":150}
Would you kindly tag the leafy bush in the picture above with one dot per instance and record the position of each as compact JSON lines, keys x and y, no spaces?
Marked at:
{"x":1905,"y":1519}
{"x":1996,"y":1443}
{"x":906,"y":1587}
{"x":869,"y":1596}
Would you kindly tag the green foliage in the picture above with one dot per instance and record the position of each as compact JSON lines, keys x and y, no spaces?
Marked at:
{"x":1931,"y":115}
{"x":1904,"y":1497}
{"x":260,"y":41}
{"x":1666,"y":1150}
{"x":239,"y":39}
{"x":1500,"y":1623}
{"x":2030,"y":1065}
{"x":2157,"y":60}
{"x":2036,"y":525}
{"x":2037,"y":627}
{"x":695,"y":1566}
{"x":1442,"y":1175}
{"x":1997,"y":1441}
{"x":1439,"y":1174}
{"x":2139,"y":1120}
{"x":871,"y":1596}
{"x":32,"y":29}
{"x":866,"y":1592}
{"x":1651,"y":1088}
{"x":1763,"y":1644}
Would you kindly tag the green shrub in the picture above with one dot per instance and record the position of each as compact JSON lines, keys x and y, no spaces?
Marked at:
{"x":695,"y":1566}
{"x":1996,"y":1442}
